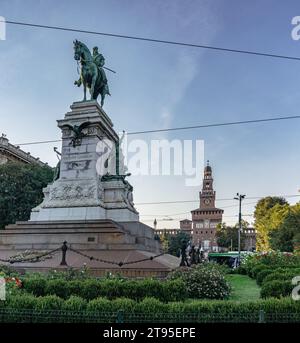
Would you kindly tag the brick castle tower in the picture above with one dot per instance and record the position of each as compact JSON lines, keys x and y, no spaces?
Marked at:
{"x":206,"y":218}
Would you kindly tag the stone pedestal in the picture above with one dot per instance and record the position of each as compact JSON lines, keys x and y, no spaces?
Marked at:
{"x":79,"y":192}
{"x":94,"y":214}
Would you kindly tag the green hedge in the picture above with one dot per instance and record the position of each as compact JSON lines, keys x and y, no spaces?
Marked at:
{"x":276,"y":289}
{"x":149,"y":305}
{"x":166,"y":291}
{"x":253,"y":272}
{"x":262,"y":275}
{"x":281,"y":276}
{"x":55,"y":309}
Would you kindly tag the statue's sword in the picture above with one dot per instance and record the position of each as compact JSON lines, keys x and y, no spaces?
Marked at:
{"x":109,"y":69}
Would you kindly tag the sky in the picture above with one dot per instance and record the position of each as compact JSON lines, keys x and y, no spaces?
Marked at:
{"x":160,"y":86}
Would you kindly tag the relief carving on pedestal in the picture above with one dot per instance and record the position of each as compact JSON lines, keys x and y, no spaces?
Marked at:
{"x":72,"y":192}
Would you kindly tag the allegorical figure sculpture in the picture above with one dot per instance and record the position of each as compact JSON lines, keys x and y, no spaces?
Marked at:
{"x":57,"y":168}
{"x":92,"y":74}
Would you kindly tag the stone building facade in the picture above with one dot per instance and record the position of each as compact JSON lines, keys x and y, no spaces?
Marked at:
{"x":250,"y":239}
{"x":12,"y":153}
{"x":186,"y":226}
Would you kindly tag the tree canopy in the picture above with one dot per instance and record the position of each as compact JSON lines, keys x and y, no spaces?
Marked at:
{"x":286,"y":236}
{"x":175,"y":242}
{"x":277,"y":224}
{"x":21,"y":190}
{"x":227,"y":236}
{"x":268,"y":215}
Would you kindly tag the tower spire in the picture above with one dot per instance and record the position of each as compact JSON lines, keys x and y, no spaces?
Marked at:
{"x":207,"y":195}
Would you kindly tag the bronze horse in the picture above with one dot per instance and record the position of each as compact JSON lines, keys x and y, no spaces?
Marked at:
{"x":91,"y":76}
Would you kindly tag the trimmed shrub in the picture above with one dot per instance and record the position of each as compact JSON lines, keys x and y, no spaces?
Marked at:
{"x":257,"y":269}
{"x":100,"y":305}
{"x":35,"y":286}
{"x":132,"y":289}
{"x":240,"y":270}
{"x":91,"y":289}
{"x":57,"y":287}
{"x":104,"y":310}
{"x":280,"y":276}
{"x":152,"y":289}
{"x":112,"y":288}
{"x":22,"y":301}
{"x":276,"y":289}
{"x":49,"y":302}
{"x":169,"y":290}
{"x":262,"y":274}
{"x":74,"y":287}
{"x":75,"y":303}
{"x":174,"y":290}
{"x":150,"y":305}
{"x":123,"y":304}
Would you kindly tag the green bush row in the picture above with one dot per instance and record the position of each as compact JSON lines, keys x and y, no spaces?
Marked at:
{"x":253,"y":269}
{"x":276,"y":274}
{"x":150,"y":306}
{"x":281,"y":276}
{"x":170,"y":290}
{"x":261,"y":272}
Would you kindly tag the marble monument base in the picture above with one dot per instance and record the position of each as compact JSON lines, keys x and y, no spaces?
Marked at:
{"x":103,"y":239}
{"x":92,"y":211}
{"x":82,"y":213}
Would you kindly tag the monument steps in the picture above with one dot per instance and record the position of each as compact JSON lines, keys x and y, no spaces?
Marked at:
{"x":106,"y":224}
{"x":91,"y":234}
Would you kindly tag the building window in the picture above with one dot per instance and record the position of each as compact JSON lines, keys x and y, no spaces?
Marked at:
{"x":199,"y":225}
{"x":206,"y":244}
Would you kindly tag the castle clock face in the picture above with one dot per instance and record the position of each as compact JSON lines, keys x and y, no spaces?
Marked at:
{"x":207,"y":201}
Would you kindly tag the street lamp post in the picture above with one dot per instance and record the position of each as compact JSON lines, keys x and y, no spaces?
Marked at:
{"x":240,"y":197}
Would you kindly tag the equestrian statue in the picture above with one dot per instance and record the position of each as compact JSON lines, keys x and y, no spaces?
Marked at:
{"x":92,"y":74}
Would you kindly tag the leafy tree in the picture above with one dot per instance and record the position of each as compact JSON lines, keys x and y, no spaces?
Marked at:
{"x":227,"y":236}
{"x":164,"y":239}
{"x":286,"y":237}
{"x":269,"y":214}
{"x":176,"y":241}
{"x":21,"y":190}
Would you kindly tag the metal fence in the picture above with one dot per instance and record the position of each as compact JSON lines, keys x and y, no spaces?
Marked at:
{"x":8,"y":315}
